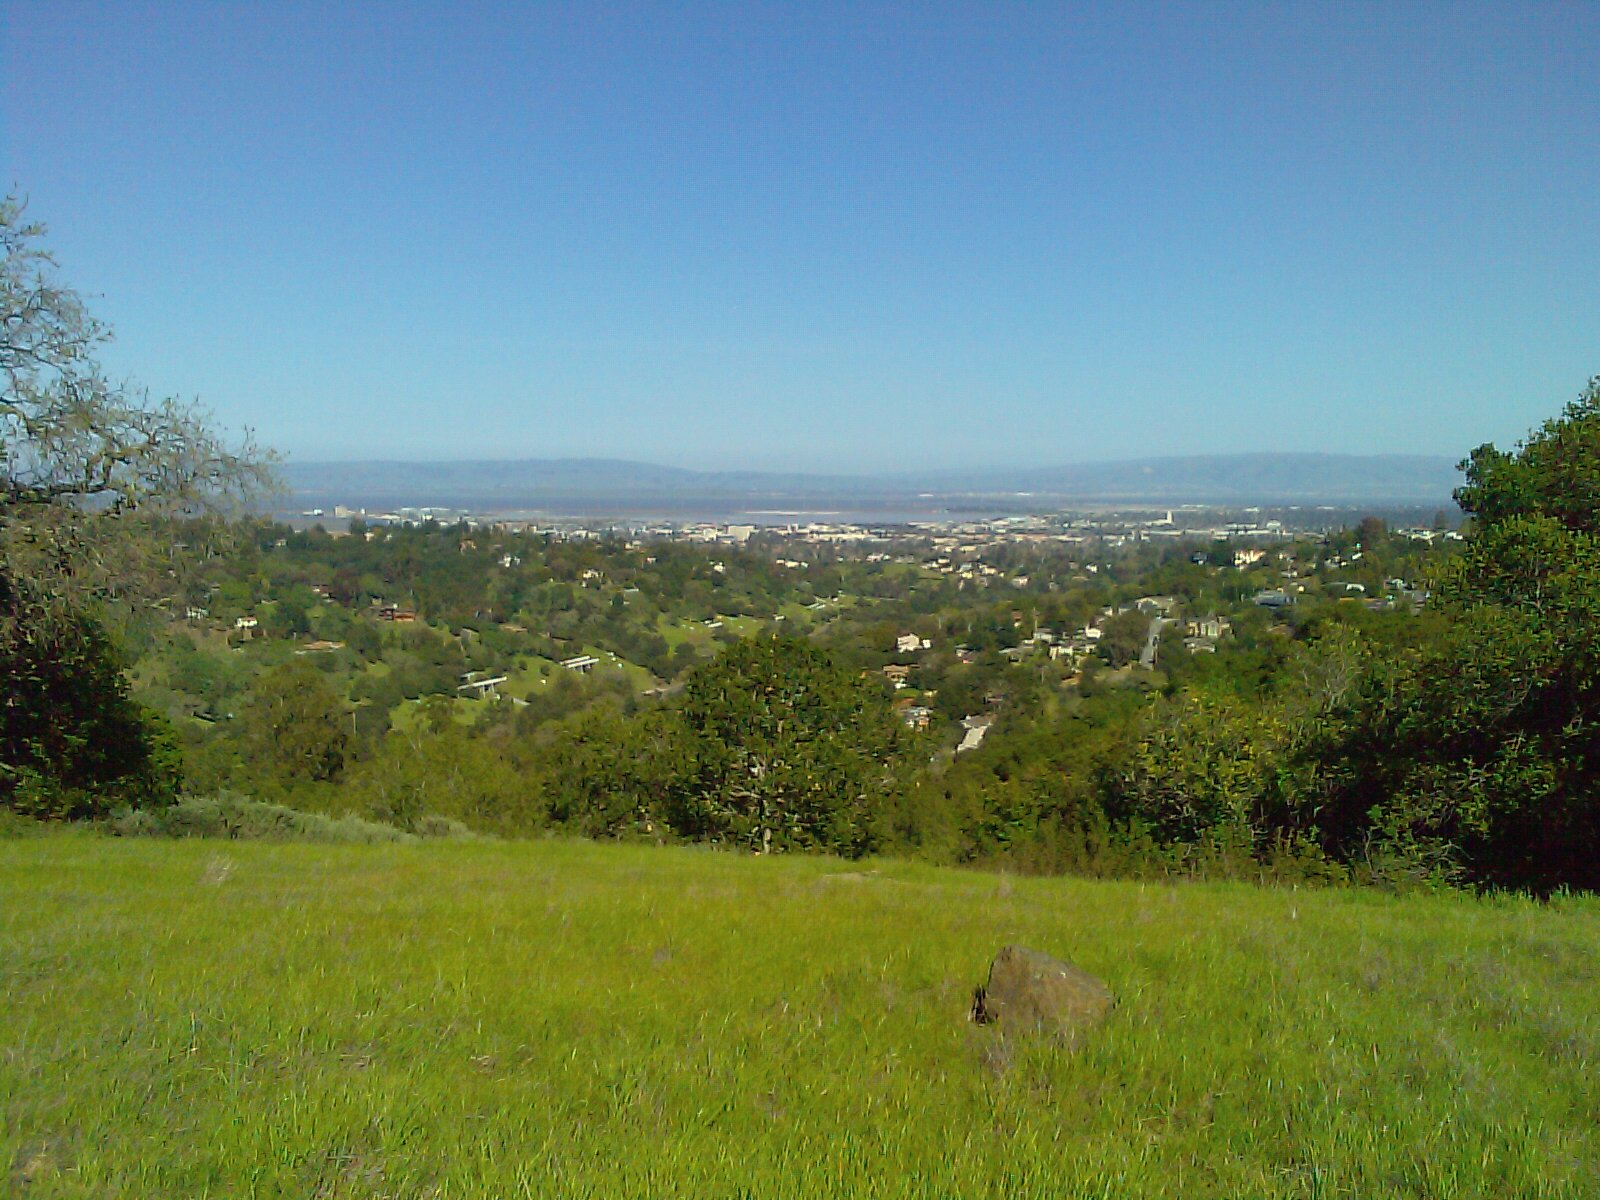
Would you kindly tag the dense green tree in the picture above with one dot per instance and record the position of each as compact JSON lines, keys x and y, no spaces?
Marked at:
{"x":608,"y":775}
{"x":295,"y":726}
{"x":72,"y":743}
{"x":1480,"y":747}
{"x":288,"y":618}
{"x":1372,"y":534}
{"x":1196,"y":764}
{"x":794,"y":751}
{"x":1554,"y":473}
{"x":1123,"y":636}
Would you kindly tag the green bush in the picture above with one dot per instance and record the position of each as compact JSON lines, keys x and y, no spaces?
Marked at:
{"x":235,"y":817}
{"x":73,"y":744}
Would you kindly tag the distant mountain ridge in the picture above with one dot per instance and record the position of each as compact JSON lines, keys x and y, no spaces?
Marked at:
{"x":617,"y":484}
{"x":1263,"y":476}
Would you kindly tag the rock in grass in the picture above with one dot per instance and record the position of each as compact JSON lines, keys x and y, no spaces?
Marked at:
{"x":1030,"y":990}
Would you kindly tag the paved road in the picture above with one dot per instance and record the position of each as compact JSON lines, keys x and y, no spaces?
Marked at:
{"x":1147,"y":656}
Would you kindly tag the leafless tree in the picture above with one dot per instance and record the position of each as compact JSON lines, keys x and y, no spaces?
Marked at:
{"x":89,"y":465}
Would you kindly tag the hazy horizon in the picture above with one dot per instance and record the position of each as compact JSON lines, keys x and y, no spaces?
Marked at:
{"x":737,"y":467}
{"x":834,"y":238}
{"x":615,"y":484}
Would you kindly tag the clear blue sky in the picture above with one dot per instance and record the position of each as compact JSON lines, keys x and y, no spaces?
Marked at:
{"x":826,"y":236}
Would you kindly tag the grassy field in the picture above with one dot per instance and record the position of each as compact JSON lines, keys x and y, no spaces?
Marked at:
{"x":553,"y":1019}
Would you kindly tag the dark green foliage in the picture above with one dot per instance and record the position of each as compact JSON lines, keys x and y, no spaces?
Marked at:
{"x":72,"y":743}
{"x":1482,"y":748}
{"x":1194,"y":764}
{"x":1124,"y":636}
{"x":606,"y":775}
{"x":773,"y":747}
{"x":1486,"y":743}
{"x":289,"y":619}
{"x":363,"y":639}
{"x":794,"y":751}
{"x":1555,"y":473}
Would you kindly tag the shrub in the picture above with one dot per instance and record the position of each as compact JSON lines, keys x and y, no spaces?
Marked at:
{"x":235,"y":817}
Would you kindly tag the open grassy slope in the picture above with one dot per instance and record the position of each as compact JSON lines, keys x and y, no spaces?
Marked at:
{"x":219,"y":1019}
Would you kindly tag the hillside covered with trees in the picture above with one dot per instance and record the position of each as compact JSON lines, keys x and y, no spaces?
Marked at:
{"x":1364,"y":703}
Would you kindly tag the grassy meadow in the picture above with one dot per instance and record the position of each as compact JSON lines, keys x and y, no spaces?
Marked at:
{"x":206,"y":1018}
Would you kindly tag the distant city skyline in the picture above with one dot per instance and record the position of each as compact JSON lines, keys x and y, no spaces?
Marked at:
{"x":830,"y":237}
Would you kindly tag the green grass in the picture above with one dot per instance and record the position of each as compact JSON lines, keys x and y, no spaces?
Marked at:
{"x":613,"y":664}
{"x":407,"y":715}
{"x":796,"y":612}
{"x":209,"y":1018}
{"x":529,"y":674}
{"x":676,"y":631}
{"x":694,"y":631}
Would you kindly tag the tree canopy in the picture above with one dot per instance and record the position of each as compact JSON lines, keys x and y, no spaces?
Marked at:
{"x":86,"y":464}
{"x":794,"y":750}
{"x":1554,"y":473}
{"x":1481,"y":748}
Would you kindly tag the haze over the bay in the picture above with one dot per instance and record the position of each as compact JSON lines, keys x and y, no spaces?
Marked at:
{"x":619,"y":486}
{"x":826,"y":238}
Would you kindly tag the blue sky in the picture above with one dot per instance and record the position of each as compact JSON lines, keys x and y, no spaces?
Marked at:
{"x":826,"y":236}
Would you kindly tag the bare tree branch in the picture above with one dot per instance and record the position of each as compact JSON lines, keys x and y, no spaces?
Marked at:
{"x":77,"y":449}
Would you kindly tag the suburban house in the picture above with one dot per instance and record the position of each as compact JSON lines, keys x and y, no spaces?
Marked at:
{"x":977,"y":728}
{"x":917,"y":716}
